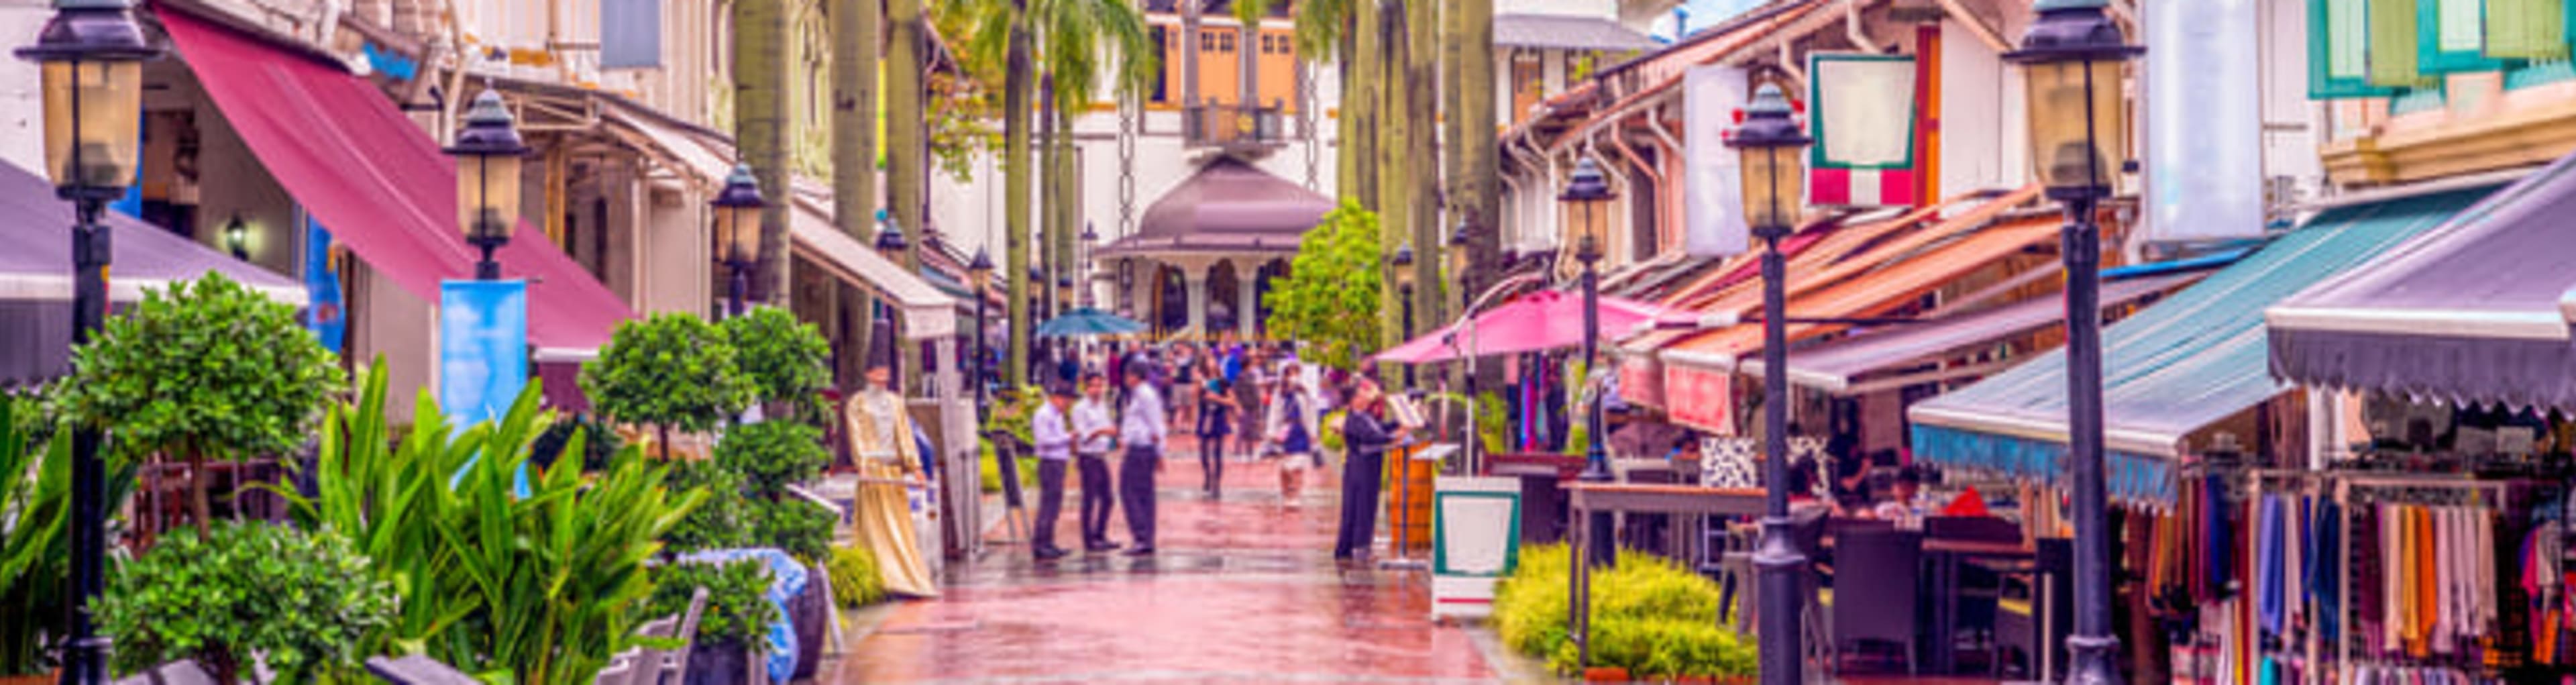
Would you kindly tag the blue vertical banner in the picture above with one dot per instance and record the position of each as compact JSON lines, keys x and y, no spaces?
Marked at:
{"x":482,"y":348}
{"x":324,"y":313}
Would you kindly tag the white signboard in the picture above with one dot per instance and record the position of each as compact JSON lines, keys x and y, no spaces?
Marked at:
{"x":2204,"y":120}
{"x":1714,"y":189}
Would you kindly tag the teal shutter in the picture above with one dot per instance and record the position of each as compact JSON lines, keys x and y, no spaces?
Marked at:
{"x":2339,"y":50}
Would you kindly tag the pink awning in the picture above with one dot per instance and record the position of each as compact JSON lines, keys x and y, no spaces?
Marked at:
{"x":378,"y":181}
{"x":1544,"y":320}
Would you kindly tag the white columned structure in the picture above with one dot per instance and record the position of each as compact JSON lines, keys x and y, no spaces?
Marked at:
{"x":1196,"y":277}
{"x":1247,"y":295}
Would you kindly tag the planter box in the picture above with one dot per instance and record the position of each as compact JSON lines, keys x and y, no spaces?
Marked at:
{"x":723,"y":664}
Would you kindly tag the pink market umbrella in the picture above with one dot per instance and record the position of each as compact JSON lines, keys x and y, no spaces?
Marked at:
{"x":1544,"y":320}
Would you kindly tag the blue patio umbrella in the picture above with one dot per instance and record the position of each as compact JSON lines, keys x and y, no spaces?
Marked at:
{"x":1088,"y":322}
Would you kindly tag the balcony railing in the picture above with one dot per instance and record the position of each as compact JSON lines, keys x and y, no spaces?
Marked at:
{"x":1235,"y":126}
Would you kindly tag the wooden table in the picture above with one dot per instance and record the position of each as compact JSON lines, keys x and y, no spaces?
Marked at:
{"x":1584,"y":499}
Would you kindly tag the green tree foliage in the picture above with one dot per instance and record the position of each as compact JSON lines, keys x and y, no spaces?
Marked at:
{"x":798,"y":527}
{"x":211,"y":368}
{"x":723,"y":521}
{"x":304,"y":603}
{"x":738,"y":609}
{"x":785,"y":361}
{"x":771,"y":455}
{"x":1330,"y":298}
{"x":540,"y":588}
{"x":673,"y":371}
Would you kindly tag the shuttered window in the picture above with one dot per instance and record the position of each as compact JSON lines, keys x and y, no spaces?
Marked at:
{"x":2417,"y":100}
{"x":2451,"y":36}
{"x":2339,"y":50}
{"x":2527,"y":29}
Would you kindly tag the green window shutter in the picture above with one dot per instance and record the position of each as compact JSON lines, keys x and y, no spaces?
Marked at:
{"x":2339,"y":50}
{"x":2393,"y":54}
{"x":2451,"y":36}
{"x":2527,"y":29}
{"x":2418,"y":100}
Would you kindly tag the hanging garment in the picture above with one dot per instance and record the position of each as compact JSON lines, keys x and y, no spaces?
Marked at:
{"x":2269,"y":586}
{"x":2323,"y":583}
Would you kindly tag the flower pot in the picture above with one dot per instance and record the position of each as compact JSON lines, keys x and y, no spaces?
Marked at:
{"x":1605,"y":674}
{"x":810,"y":612}
{"x":721,"y":664}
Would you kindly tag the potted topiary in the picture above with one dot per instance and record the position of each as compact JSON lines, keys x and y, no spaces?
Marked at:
{"x":734,"y":630}
{"x":300,"y":603}
{"x":785,"y":361}
{"x":671,"y":372}
{"x":211,"y":369}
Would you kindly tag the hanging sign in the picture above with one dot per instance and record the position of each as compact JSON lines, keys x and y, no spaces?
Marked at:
{"x":482,"y":348}
{"x":1700,"y":398}
{"x":1862,"y":116}
{"x":2204,"y":121}
{"x":1712,"y":183}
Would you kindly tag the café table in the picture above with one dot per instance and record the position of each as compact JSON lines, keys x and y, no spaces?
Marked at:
{"x":1583,"y":499}
{"x":1942,"y":559}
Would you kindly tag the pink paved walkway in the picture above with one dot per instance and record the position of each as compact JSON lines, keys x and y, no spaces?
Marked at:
{"x":1244,"y":590}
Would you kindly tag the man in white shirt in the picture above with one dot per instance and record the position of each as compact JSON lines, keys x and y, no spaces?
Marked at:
{"x":1142,"y":429}
{"x":1095,"y":432}
{"x":1054,"y":439}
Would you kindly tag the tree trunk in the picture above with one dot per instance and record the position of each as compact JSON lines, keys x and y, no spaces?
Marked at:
{"x":1015,"y":198}
{"x":1048,"y":259}
{"x":1348,"y":134}
{"x":854,"y":170}
{"x":1479,"y":197}
{"x":1394,"y":174}
{"x":761,"y":129}
{"x":1422,"y":22}
{"x":1069,"y":194}
{"x":1361,"y":93}
{"x":200,"y":505}
{"x":907,"y":148}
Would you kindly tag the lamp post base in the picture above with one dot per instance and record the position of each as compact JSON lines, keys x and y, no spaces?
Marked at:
{"x":1779,"y":563}
{"x":2093,"y":660}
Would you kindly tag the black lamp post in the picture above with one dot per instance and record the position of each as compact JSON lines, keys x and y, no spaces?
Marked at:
{"x":979,"y":276}
{"x":1771,"y":148}
{"x":890,"y":243}
{"x":2072,"y":58}
{"x":737,"y":209}
{"x":237,"y":238}
{"x":1587,"y":196}
{"x":91,"y":55}
{"x":487,"y":152}
{"x":1403,"y":264}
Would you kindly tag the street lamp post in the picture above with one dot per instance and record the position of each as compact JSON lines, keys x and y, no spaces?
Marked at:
{"x":487,"y":152}
{"x":91,"y":56}
{"x":1403,"y":265}
{"x":1459,"y":262}
{"x":1770,"y":147}
{"x":737,"y":209}
{"x":979,"y":276}
{"x":1586,"y":197}
{"x":2072,"y":59}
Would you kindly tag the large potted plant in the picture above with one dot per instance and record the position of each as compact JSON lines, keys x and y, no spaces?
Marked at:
{"x":734,"y":630}
{"x":671,"y":372}
{"x":302,"y":604}
{"x":209,"y":370}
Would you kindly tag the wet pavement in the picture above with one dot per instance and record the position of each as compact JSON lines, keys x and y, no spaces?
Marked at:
{"x":1244,"y":589}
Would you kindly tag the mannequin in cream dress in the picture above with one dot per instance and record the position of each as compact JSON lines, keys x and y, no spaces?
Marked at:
{"x":881,"y":442}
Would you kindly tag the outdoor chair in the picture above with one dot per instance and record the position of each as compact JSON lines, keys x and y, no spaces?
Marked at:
{"x":417,"y":670}
{"x":621,"y":670}
{"x":183,"y":672}
{"x":2035,"y":626}
{"x":670,"y":666}
{"x":1876,"y":591}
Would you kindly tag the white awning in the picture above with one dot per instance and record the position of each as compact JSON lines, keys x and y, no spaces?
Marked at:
{"x":927,"y":313}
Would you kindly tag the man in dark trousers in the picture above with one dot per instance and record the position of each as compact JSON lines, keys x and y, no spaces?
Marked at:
{"x":1054,"y":437}
{"x":1095,"y":430}
{"x":1142,"y":429}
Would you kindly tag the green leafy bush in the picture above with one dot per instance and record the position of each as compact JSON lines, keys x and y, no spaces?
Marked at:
{"x":538,"y":589}
{"x":722,"y":521}
{"x":856,"y":582}
{"x":800,"y":527}
{"x":602,"y":446}
{"x":1649,"y":615}
{"x":35,"y":498}
{"x":305,"y":603}
{"x":738,"y":610}
{"x":786,"y":361}
{"x":210,"y":369}
{"x":673,"y":372}
{"x":771,"y":455}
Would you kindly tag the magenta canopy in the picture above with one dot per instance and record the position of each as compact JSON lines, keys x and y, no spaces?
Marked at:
{"x":1540,"y":321}
{"x":378,"y":182}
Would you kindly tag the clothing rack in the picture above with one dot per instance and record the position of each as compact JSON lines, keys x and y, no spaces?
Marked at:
{"x":2352,"y":489}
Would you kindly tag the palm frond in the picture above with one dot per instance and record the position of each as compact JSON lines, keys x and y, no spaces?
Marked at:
{"x":1319,"y":27}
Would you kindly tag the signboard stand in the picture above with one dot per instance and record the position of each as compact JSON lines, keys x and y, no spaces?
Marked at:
{"x":1476,"y":529}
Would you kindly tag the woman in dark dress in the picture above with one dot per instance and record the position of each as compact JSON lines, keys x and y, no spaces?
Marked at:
{"x":1216,"y":421}
{"x":1366,"y":436}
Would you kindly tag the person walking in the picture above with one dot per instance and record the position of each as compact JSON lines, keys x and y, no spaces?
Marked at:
{"x":1142,"y":430}
{"x":1094,"y":431}
{"x":1185,"y":375}
{"x":1054,"y":437}
{"x":1365,"y":436}
{"x":1217,"y":409}
{"x":1290,"y":430}
{"x":1252,"y":390}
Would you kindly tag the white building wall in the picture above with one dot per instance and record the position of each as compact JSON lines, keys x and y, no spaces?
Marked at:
{"x":1972,"y":153}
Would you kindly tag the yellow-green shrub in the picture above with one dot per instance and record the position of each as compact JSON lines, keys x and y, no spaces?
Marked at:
{"x":855,"y":579}
{"x":1649,"y":615}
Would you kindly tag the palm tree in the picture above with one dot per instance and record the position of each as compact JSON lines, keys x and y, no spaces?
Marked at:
{"x":760,"y":126}
{"x":1010,"y":32}
{"x":1332,"y":27}
{"x":907,"y":148}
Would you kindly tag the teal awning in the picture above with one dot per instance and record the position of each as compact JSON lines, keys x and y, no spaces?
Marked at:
{"x":2191,"y":360}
